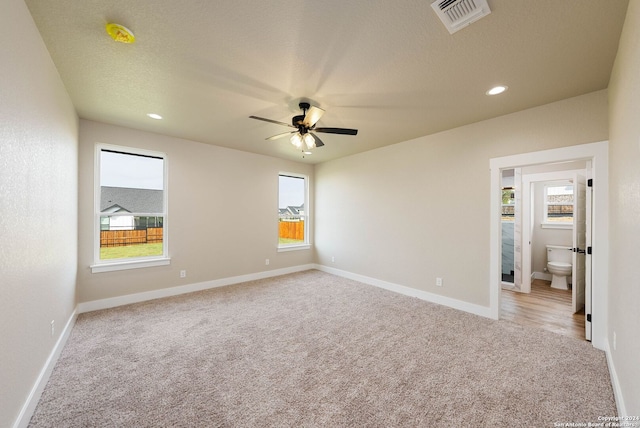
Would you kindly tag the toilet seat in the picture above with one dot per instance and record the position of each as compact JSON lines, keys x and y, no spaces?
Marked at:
{"x":559,"y":265}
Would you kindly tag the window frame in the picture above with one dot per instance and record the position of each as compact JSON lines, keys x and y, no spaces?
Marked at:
{"x":307,"y":215}
{"x":132,"y":262}
{"x":546,"y":224}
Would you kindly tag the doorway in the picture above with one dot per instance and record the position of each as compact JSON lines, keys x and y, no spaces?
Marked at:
{"x":595,"y":297}
{"x":550,"y":218}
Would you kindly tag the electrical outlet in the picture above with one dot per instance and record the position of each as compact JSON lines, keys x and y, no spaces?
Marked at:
{"x":53,"y":327}
{"x":266,"y":262}
{"x":614,"y":341}
{"x":183,"y":273}
{"x":439,"y":282}
{"x":333,"y":259}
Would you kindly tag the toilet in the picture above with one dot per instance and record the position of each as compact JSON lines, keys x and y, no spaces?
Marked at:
{"x":559,"y":260}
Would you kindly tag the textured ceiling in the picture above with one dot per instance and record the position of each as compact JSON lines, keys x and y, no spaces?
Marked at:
{"x":387,"y":68}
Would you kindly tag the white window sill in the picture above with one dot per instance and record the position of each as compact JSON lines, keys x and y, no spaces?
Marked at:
{"x":293,"y":247}
{"x":129,"y":264}
{"x":556,"y":225}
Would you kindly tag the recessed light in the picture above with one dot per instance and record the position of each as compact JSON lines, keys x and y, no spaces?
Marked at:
{"x":308,"y":153}
{"x":154,"y":116}
{"x":497,"y":90}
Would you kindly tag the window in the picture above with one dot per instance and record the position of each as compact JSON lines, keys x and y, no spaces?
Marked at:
{"x":558,"y":204}
{"x":508,"y":204}
{"x":293,"y":203}
{"x":130,"y":209}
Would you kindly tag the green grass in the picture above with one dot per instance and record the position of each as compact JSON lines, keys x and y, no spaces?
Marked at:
{"x":138,"y":250}
{"x":288,"y":241}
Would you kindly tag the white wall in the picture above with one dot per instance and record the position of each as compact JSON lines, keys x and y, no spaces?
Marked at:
{"x":624,"y":144}
{"x":38,"y":207}
{"x":223,"y":214}
{"x":418,"y":210}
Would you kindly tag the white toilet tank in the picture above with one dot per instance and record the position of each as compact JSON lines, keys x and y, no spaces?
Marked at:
{"x":558,"y":253}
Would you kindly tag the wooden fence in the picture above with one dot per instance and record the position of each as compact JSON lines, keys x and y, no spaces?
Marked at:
{"x":291,"y":230}
{"x":119,"y":238}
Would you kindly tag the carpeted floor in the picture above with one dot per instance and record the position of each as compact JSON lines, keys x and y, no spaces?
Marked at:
{"x":311,"y":349}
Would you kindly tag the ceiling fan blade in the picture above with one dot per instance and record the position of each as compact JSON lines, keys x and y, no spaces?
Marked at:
{"x":319,"y":142}
{"x":284,"y":134}
{"x":312,"y":116}
{"x":272,"y":121}
{"x":343,"y":131}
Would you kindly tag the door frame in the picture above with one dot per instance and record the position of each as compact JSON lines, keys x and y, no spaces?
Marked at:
{"x":527,"y":221}
{"x":598,"y":154}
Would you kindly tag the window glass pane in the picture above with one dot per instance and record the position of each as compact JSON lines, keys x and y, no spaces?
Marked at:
{"x":131,"y":205}
{"x":508,"y":204}
{"x":122,"y":239}
{"x":291,"y":210}
{"x":559,"y":204}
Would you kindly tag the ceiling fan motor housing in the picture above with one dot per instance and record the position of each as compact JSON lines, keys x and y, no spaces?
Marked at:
{"x":297,"y":121}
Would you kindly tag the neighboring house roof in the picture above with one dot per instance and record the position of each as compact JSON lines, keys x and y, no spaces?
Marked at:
{"x":114,"y":209}
{"x":291,"y":211}
{"x":118,"y":199}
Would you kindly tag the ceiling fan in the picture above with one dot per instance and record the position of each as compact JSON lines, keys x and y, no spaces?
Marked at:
{"x":304,"y":124}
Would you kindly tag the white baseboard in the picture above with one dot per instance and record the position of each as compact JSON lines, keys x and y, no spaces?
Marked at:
{"x":507,"y":286}
{"x":483,"y":311}
{"x":113,"y":302}
{"x":545,"y":276}
{"x":36,"y":392}
{"x":617,"y":391}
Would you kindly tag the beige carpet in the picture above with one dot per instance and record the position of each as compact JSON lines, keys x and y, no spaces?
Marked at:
{"x":311,"y":349}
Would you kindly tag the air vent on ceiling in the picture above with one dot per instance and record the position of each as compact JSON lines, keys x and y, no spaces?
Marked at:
{"x":457,"y":14}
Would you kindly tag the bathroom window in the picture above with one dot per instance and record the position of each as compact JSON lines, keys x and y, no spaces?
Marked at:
{"x":558,"y":204}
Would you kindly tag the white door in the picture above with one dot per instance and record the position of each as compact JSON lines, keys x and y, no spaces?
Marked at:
{"x":587,"y":287}
{"x":579,"y":242}
{"x":517,"y":231}
{"x":527,"y":233}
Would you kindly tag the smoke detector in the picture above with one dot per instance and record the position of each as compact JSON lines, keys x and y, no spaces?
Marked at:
{"x":457,"y":14}
{"x":120,"y":33}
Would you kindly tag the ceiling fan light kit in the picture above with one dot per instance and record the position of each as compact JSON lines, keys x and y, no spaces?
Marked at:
{"x":304,"y":124}
{"x":297,"y":139}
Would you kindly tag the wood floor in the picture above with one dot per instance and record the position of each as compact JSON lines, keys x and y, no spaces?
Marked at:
{"x":545,"y":308}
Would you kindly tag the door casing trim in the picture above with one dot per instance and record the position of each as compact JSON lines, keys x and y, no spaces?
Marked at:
{"x":598,"y":154}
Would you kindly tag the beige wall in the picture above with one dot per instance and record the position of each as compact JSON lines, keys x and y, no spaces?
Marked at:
{"x":418,"y":210}
{"x":624,"y":286}
{"x":407,"y":213}
{"x":38,"y":207}
{"x":223,"y":214}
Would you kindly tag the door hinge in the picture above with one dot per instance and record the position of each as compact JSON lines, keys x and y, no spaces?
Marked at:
{"x":590,"y":182}
{"x":588,"y":317}
{"x":588,"y":250}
